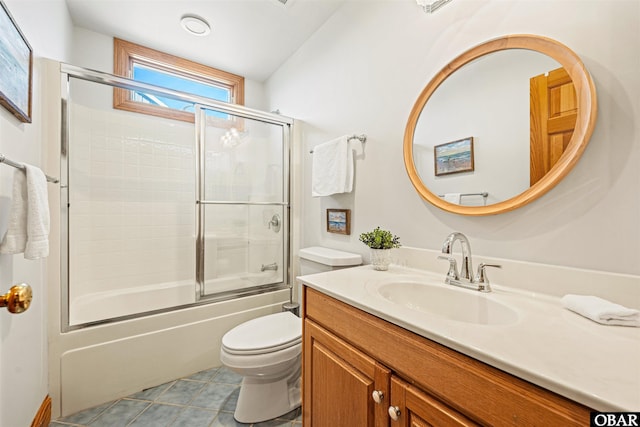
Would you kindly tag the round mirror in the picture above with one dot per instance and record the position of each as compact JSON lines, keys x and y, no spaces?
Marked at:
{"x":500,"y":125}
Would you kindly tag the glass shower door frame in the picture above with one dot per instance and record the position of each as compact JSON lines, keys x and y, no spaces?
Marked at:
{"x":202,"y":202}
{"x":69,"y":71}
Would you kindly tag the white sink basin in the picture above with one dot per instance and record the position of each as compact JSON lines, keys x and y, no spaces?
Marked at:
{"x":447,"y":301}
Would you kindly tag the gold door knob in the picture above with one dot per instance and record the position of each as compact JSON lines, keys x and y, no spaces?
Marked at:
{"x":18,"y":299}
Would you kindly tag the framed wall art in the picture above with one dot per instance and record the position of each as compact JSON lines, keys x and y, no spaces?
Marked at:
{"x":16,"y":67}
{"x":339,"y":221}
{"x":454,"y":157}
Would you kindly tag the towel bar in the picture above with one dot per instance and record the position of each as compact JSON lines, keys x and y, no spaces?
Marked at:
{"x":483,"y":194}
{"x":362,"y":138}
{"x":20,"y":166}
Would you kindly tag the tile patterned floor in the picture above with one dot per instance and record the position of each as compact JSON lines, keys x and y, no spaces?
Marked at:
{"x":205,"y":399}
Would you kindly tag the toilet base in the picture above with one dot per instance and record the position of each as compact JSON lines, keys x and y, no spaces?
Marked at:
{"x":261,"y":400}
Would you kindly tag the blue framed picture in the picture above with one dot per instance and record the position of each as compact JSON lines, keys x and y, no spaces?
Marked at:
{"x":339,"y":221}
{"x":454,"y":157}
{"x":16,"y":65}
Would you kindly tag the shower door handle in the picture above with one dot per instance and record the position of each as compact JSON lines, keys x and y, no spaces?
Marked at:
{"x":18,"y":299}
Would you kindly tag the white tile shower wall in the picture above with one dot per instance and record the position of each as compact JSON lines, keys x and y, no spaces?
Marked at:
{"x":132,"y":198}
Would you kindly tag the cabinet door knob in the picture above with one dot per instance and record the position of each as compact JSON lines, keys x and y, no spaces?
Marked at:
{"x":378,"y":396}
{"x":394,"y":413}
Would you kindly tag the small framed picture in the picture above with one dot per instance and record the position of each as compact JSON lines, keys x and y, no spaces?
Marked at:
{"x":16,"y":65}
{"x":339,"y":221}
{"x":454,"y":157}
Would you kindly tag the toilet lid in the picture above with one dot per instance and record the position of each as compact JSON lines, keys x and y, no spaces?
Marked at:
{"x":264,"y":334}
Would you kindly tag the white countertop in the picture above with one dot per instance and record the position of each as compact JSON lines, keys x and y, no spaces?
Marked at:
{"x":596,"y":365}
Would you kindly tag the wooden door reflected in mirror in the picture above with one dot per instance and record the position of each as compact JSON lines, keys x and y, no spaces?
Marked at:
{"x":553,"y":110}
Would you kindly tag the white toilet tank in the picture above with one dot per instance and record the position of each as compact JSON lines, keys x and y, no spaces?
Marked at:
{"x":317,"y":259}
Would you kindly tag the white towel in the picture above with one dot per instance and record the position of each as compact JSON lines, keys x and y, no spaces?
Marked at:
{"x":601,"y":311}
{"x":452,"y":198}
{"x":332,"y":168}
{"x":15,"y":239}
{"x":28,"y":229}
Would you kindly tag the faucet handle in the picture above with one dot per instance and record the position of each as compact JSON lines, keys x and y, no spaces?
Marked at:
{"x":481,"y":277}
{"x":452,"y":274}
{"x":275,"y":223}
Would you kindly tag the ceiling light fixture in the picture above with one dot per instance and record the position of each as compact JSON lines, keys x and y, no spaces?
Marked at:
{"x":195,"y":25}
{"x":431,"y":6}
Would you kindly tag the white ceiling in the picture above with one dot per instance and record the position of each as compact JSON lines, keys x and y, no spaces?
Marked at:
{"x":251,"y":38}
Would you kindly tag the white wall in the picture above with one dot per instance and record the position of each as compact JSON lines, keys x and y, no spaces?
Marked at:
{"x":362,"y":72}
{"x":23,"y":339}
{"x":47,"y":26}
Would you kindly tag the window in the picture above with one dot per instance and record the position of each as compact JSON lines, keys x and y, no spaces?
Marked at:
{"x":146,"y":65}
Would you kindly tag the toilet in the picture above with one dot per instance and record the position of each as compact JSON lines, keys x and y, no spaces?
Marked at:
{"x":267,"y":350}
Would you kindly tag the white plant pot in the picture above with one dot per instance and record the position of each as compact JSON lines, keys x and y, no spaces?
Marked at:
{"x":380,"y":259}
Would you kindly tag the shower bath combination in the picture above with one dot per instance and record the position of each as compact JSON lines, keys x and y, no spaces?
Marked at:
{"x":170,"y":236}
{"x":131,"y":186}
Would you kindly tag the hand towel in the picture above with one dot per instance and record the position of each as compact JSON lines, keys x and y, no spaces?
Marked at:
{"x":38,"y":221}
{"x":28,"y":228}
{"x":452,"y":198}
{"x":601,"y":311}
{"x":15,"y":239}
{"x":332,"y":168}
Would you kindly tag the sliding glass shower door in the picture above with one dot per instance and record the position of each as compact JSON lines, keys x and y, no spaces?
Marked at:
{"x":243,"y":200}
{"x":160,"y":214}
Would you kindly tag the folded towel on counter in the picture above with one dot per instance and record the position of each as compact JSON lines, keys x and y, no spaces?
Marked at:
{"x":28,"y":228}
{"x":601,"y":311}
{"x":332,"y":168}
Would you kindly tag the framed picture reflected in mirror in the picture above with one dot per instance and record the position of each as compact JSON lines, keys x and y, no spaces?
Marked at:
{"x":454,"y":157}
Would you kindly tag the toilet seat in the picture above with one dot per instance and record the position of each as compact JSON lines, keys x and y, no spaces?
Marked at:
{"x":265,"y":334}
{"x":267,"y":352}
{"x":264,"y":364}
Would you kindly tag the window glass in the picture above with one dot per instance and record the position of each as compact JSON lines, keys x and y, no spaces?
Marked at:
{"x":157,"y":68}
{"x":146,"y":74}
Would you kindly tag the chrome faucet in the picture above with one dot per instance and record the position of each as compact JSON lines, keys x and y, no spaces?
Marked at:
{"x":447,"y":248}
{"x":465,"y":279}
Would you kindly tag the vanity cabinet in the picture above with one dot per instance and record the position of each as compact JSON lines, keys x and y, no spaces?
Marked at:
{"x":341,"y":382}
{"x":349,"y":354}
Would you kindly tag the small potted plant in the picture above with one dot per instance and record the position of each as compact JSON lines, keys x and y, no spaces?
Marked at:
{"x":381,"y":242}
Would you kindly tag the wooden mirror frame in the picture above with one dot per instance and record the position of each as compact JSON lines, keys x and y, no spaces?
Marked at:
{"x":585,"y":122}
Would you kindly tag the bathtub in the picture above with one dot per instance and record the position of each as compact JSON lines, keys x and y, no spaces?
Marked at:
{"x":123,"y":302}
{"x":117,"y":303}
{"x":98,"y":364}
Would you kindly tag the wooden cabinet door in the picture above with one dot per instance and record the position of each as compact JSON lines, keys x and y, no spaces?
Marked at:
{"x":338,"y":383}
{"x":414,"y":408}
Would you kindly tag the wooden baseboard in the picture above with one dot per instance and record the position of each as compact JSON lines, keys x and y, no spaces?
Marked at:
{"x":43,"y":417}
